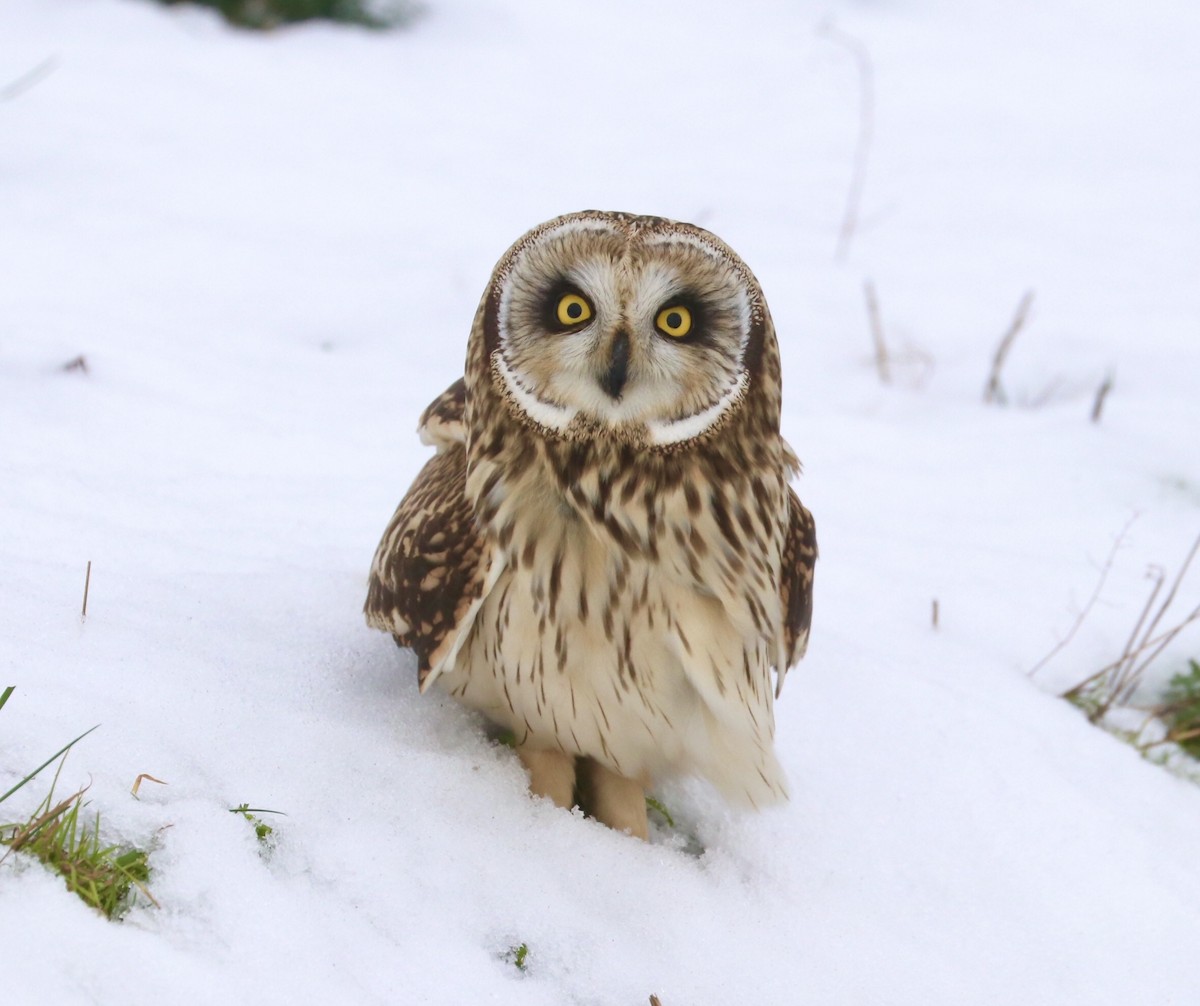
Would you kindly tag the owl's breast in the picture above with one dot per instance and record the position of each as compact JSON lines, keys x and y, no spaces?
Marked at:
{"x":623,"y":655}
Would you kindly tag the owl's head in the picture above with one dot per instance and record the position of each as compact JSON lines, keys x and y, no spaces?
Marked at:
{"x":638,"y":328}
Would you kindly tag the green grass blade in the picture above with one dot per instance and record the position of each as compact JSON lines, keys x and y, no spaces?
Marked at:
{"x":60,"y":751}
{"x":5,"y":694}
{"x":658,"y":805}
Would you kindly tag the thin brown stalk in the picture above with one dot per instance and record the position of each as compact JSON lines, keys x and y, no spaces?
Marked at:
{"x":882,"y":359}
{"x":87,"y":583}
{"x":866,"y":127}
{"x":994,"y":391}
{"x":1170,"y":598}
{"x":1127,"y":685}
{"x":27,"y":832}
{"x":1162,"y":642}
{"x":1172,"y":737}
{"x":1165,"y":637}
{"x":1091,"y":601}
{"x":1136,"y":637}
{"x":1115,"y":670}
{"x":145,"y":777}
{"x":1101,"y":395}
{"x":1144,"y":645}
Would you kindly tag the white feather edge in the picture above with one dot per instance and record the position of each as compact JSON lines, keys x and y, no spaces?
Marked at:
{"x":463,"y":629}
{"x":677,"y":431}
{"x":546,"y":414}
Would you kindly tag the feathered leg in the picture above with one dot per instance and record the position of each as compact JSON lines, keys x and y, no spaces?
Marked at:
{"x":551,"y":774}
{"x":614,"y":800}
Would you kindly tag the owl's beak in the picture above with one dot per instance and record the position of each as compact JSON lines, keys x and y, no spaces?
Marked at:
{"x":618,"y":366}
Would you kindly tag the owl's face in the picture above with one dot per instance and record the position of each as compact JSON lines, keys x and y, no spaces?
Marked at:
{"x":636,"y":327}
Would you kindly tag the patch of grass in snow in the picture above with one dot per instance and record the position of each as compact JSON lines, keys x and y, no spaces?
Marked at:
{"x":518,"y":957}
{"x":104,"y":876}
{"x":1168,"y":732}
{"x":673,"y":829}
{"x":265,"y":14}
{"x":262,"y":830}
{"x":1115,"y":684}
{"x":656,"y":805}
{"x":1180,"y":710}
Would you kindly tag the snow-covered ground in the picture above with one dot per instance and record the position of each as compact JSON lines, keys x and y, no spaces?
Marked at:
{"x":268,"y":250}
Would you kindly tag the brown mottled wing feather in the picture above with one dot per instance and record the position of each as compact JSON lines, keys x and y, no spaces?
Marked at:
{"x":796,"y":588}
{"x":442,"y":424}
{"x":427,"y":572}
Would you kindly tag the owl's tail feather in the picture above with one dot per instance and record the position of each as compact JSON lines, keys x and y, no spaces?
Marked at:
{"x":742,"y":766}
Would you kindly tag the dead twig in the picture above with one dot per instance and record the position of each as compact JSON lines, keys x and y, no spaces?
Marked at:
{"x":1091,"y":601}
{"x":1166,"y":637}
{"x":935,"y":614}
{"x":145,"y":777}
{"x":79,"y":363}
{"x":23,"y":834}
{"x":882,"y":359}
{"x":87,"y":582}
{"x":1101,"y":395}
{"x":866,"y":127}
{"x":994,"y":391}
{"x":1116,"y":682}
{"x":1131,"y":649}
{"x":1135,"y":673}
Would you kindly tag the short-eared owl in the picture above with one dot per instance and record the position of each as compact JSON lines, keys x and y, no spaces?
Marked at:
{"x":604,"y":556}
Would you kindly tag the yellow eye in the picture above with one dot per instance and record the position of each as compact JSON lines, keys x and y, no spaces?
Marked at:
{"x":674,"y":321}
{"x":573,"y":309}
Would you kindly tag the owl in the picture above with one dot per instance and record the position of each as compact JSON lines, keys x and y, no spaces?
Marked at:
{"x":604,"y":555}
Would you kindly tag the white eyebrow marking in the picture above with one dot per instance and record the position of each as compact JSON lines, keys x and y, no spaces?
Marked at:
{"x":692,"y":241}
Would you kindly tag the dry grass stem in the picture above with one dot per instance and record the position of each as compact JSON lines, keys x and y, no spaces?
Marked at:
{"x":145,"y":777}
{"x":62,"y":750}
{"x":994,"y":391}
{"x":882,"y":360}
{"x":1157,"y":642}
{"x":1115,"y":683}
{"x":1091,"y":601}
{"x":87,"y":583}
{"x":1101,"y":395}
{"x":866,"y":127}
{"x":25,"y":833}
{"x":935,"y":614}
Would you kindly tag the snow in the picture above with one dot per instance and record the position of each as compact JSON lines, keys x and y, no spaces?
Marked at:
{"x":269,"y":248}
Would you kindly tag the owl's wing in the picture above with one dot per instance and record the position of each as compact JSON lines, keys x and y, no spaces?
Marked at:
{"x":796,"y":582}
{"x":431,"y":568}
{"x":443,"y":424}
